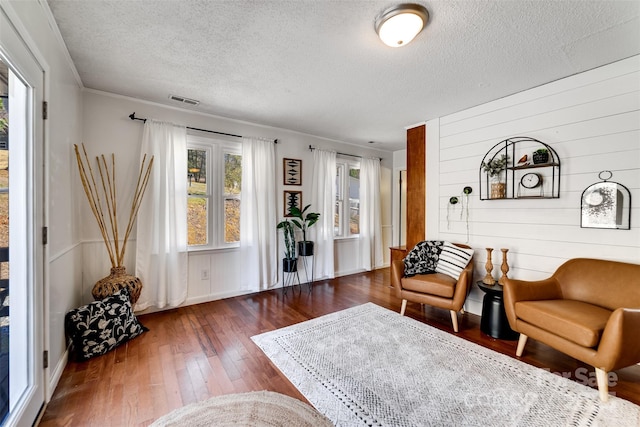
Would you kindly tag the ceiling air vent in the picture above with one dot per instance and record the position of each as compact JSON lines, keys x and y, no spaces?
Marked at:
{"x":184,"y":100}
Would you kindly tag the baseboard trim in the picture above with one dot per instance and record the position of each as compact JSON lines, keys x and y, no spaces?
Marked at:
{"x":198,"y":300}
{"x":349,"y":272}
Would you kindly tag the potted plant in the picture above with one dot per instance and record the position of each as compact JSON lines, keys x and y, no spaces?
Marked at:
{"x":289,"y":262}
{"x":494,"y":168}
{"x":541,"y":155}
{"x":303,"y":221}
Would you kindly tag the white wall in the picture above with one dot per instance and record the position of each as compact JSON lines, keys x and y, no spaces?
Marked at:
{"x":592,"y":120}
{"x":62,"y":129}
{"x":107,"y":129}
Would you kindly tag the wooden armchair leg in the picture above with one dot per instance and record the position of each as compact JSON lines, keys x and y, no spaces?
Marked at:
{"x":454,"y":320}
{"x":404,"y":307}
{"x":603,"y":384}
{"x":521,"y":343}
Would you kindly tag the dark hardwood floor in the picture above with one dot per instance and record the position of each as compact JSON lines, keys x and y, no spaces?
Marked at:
{"x":196,"y":352}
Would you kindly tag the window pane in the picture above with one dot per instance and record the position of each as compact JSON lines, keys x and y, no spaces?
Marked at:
{"x":231,"y":220}
{"x":232,"y":187}
{"x":197,"y":171}
{"x":354,"y":201}
{"x":232,"y":174}
{"x":4,"y":249}
{"x":4,"y":190}
{"x":197,"y":221}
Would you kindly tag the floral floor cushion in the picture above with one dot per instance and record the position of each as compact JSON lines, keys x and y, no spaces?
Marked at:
{"x":101,"y":326}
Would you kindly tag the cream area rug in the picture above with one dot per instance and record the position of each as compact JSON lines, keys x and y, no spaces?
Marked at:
{"x":254,"y":409}
{"x":369,"y":366}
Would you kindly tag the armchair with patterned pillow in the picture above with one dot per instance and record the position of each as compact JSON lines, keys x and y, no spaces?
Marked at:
{"x":435,"y":273}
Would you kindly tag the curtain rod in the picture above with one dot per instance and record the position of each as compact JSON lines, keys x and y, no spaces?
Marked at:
{"x":311,"y":148}
{"x":132,"y":116}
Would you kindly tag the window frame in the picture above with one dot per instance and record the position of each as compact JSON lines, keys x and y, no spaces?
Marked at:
{"x":342,"y":198}
{"x":215,"y":169}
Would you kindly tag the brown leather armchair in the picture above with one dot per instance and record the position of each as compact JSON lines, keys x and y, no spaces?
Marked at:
{"x":436,"y":289}
{"x":588,"y":309}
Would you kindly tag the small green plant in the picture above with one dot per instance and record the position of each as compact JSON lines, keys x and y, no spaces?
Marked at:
{"x":289,"y":239}
{"x":496,"y":165}
{"x":541,"y":155}
{"x":303,"y":222}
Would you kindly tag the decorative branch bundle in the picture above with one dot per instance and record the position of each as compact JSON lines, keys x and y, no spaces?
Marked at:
{"x":109,"y":231}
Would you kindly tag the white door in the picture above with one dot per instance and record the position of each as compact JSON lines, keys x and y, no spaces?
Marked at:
{"x":21,"y":218}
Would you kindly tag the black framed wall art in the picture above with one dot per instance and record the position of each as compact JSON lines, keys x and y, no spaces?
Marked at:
{"x":292,"y":171}
{"x":291,"y":199}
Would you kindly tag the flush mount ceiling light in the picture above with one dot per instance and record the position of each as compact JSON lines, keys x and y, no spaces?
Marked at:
{"x":399,"y":24}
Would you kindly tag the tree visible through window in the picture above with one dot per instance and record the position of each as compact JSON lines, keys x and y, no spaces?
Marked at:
{"x":354,"y":201}
{"x":232,"y":187}
{"x":198,"y":201}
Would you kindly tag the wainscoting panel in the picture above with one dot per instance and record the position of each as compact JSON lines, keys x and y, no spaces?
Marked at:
{"x":65,"y":274}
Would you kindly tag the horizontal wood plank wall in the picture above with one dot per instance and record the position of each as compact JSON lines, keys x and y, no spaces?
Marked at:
{"x":592,"y":120}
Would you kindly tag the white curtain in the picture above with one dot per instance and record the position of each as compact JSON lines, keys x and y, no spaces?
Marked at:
{"x":370,"y":226}
{"x":323,"y":199}
{"x":161,"y":242}
{"x":258,"y":237}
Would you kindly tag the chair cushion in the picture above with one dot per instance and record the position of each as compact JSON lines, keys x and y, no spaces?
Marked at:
{"x":423,"y":258}
{"x":576,"y":321}
{"x":453,"y":259}
{"x":434,"y":284}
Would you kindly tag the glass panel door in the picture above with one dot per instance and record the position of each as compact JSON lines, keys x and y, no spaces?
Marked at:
{"x":4,"y":241}
{"x":22,"y":373}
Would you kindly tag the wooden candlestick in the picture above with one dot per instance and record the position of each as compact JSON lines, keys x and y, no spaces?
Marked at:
{"x":488,"y":279}
{"x":505,"y":266}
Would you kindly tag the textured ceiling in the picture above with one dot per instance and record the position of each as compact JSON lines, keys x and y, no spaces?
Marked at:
{"x":318,"y":67}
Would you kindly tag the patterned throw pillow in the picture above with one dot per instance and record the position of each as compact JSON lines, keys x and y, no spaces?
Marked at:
{"x":453,"y":260}
{"x":422,"y":259}
{"x":101,"y":326}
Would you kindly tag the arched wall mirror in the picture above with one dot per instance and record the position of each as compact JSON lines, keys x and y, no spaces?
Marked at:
{"x":606,"y":204}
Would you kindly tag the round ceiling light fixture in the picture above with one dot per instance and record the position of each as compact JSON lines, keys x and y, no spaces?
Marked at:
{"x":399,"y":24}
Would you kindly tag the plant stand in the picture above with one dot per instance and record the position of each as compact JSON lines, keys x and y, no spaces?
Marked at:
{"x":289,"y":274}
{"x":288,"y":280}
{"x":306,"y":251}
{"x":306,"y":263}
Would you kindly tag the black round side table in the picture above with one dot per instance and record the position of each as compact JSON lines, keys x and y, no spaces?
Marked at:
{"x":494,"y":320}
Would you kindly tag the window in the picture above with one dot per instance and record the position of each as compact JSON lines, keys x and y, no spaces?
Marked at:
{"x":232,"y":187}
{"x":347,"y":208}
{"x":214,"y":185}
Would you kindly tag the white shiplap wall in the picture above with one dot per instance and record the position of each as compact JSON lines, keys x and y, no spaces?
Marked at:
{"x":592,"y":120}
